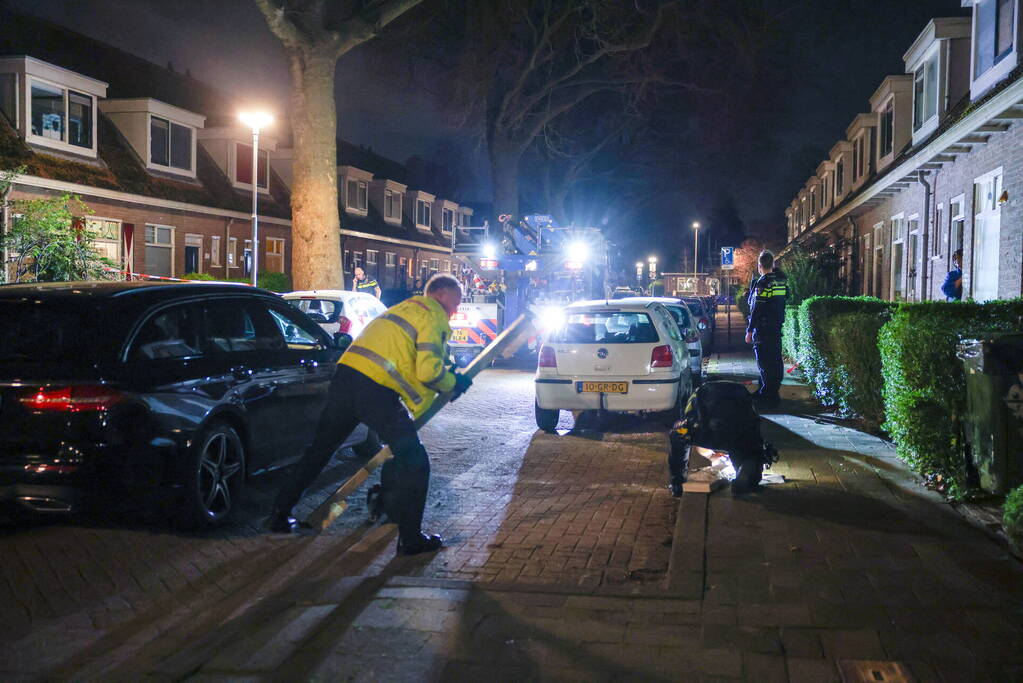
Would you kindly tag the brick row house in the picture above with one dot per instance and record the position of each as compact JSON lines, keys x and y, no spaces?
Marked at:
{"x":165,"y":168}
{"x":934,"y":166}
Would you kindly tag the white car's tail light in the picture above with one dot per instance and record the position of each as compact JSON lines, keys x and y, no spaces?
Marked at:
{"x":546,"y":358}
{"x":661,"y":357}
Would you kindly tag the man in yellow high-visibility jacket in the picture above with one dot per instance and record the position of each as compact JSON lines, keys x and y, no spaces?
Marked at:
{"x":397,"y":365}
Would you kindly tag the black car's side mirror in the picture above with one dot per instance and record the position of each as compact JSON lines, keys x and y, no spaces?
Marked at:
{"x":342,"y":341}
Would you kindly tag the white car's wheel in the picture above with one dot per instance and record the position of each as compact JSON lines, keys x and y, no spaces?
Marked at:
{"x":546,"y":420}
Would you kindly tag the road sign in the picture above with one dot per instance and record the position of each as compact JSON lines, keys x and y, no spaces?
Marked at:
{"x":727,"y":258}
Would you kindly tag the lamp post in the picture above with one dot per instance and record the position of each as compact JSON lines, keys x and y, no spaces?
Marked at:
{"x":255,"y":120}
{"x":696,"y":250}
{"x":652,"y":261}
{"x":639,"y":273}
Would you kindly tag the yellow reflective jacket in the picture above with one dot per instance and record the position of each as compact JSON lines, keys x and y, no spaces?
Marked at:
{"x":405,"y":349}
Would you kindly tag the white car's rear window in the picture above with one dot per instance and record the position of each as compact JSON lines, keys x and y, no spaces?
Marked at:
{"x":327,"y":308}
{"x":606,"y":327}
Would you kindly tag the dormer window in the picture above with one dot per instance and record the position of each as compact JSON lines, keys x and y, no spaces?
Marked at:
{"x":925,"y":92}
{"x":243,"y":166}
{"x":448,"y":220}
{"x":994,"y":33}
{"x":839,"y":177}
{"x":170,"y":145}
{"x":357,"y":195}
{"x":62,"y":115}
{"x":887,"y":132}
{"x":423,"y":211}
{"x":392,"y":205}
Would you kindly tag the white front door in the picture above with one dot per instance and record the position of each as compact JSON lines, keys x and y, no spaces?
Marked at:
{"x":987,"y":221}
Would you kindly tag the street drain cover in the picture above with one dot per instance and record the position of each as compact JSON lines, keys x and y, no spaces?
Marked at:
{"x":865,"y":671}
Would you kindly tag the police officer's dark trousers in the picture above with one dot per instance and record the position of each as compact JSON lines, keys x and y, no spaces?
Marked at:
{"x":355,"y":398}
{"x":767,"y":347}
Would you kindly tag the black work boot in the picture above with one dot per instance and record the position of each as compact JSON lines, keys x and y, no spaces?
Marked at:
{"x":747,"y":477}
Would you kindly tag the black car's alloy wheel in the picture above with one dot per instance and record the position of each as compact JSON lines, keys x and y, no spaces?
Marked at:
{"x":217,"y":476}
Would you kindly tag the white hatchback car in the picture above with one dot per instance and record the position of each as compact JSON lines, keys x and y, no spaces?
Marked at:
{"x":614,"y":356}
{"x":336,"y":310}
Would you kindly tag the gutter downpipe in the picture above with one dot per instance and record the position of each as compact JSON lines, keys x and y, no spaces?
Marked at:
{"x":921,"y":176}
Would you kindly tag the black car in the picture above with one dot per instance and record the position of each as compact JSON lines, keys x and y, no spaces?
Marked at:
{"x":114,"y":388}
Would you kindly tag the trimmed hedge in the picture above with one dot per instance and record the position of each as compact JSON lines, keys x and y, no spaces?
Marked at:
{"x":1012,"y":518}
{"x":790,"y":334}
{"x":275,"y":282}
{"x":843,"y":374}
{"x":924,"y":384}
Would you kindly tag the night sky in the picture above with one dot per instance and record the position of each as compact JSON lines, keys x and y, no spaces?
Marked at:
{"x":828,"y":57}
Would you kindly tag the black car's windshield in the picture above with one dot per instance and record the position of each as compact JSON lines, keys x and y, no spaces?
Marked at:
{"x":46,"y":330}
{"x":606,"y":328}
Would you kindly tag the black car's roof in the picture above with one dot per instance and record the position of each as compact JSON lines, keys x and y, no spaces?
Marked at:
{"x":148,"y":291}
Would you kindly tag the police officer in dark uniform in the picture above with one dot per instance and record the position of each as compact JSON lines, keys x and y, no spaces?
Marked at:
{"x":767,"y":313}
{"x":362,"y":283}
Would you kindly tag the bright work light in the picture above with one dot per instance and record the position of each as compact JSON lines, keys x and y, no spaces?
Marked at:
{"x":551,"y":318}
{"x":489,"y":251}
{"x":256,"y":120}
{"x":578,"y":252}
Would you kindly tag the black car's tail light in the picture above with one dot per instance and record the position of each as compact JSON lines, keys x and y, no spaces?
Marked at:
{"x":73,"y":399}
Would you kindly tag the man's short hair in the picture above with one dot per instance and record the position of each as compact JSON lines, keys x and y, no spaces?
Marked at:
{"x":442,"y":281}
{"x":766,"y":260}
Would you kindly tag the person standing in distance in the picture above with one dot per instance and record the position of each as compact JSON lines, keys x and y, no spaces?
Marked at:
{"x":362,"y":283}
{"x":952,"y":287}
{"x":397,"y":365}
{"x":767,"y":313}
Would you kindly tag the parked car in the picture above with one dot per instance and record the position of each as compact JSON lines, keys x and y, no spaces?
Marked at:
{"x":111,"y":389}
{"x":703,"y":321}
{"x":336,"y":310}
{"x":686,"y":322}
{"x":623,"y":292}
{"x":619,"y":357}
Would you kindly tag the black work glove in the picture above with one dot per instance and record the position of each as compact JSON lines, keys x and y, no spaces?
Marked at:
{"x":462,"y":384}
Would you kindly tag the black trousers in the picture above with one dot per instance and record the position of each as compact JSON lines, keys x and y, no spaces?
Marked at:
{"x":355,"y":398}
{"x":768,"y":351}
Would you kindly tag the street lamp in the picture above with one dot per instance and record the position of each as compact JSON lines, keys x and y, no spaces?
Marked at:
{"x":653,"y":267}
{"x":639,"y":273}
{"x":696,"y":249}
{"x":255,"y":120}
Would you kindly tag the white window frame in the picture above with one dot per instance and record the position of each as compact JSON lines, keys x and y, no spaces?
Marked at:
{"x":393,"y":201}
{"x":390,"y":259}
{"x":913,"y":267}
{"x":939,"y":234}
{"x":983,"y":212}
{"x":889,"y":102}
{"x":215,"y":251}
{"x":171,"y":246}
{"x":61,"y":144}
{"x":956,"y":223}
{"x":898,"y":236}
{"x":933,"y":57}
{"x":980,"y":83}
{"x":446,"y":227}
{"x":149,"y":146}
{"x":428,"y":207}
{"x":233,"y":168}
{"x":361,"y":203}
{"x":371,"y":257}
{"x":232,"y":252}
{"x":119,"y":241}
{"x":346,"y":261}
{"x":356,"y":260}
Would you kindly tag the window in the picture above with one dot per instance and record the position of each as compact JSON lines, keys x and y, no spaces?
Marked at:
{"x":235,"y":327}
{"x":423,"y":212}
{"x":299,"y":332}
{"x":172,"y":333}
{"x":606,"y":328}
{"x":994,"y":33}
{"x":232,"y":252}
{"x":106,"y":238}
{"x":247,"y":258}
{"x":434,"y":265}
{"x":925,"y":92}
{"x":346,"y":261}
{"x":357,"y":195}
{"x":839,"y":176}
{"x":888,"y":129}
{"x":813,"y":202}
{"x":938,"y":236}
{"x":957,"y":222}
{"x":170,"y":144}
{"x":243,"y":165}
{"x":371,"y":257}
{"x":61,"y":115}
{"x":912,"y":255}
{"x":389,"y":259}
{"x":193,"y":253}
{"x":160,"y":250}
{"x":392,"y":204}
{"x":356,"y":259}
{"x":215,"y":250}
{"x":898,"y":263}
{"x":275,"y":255}
{"x":856,"y":159}
{"x":986,"y":234}
{"x":448,"y":220}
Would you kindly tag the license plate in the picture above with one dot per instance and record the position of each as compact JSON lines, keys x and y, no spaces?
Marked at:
{"x":460,"y":335}
{"x":602,"y":387}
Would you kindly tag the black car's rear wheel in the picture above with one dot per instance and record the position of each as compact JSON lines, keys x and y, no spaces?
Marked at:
{"x":216,"y":477}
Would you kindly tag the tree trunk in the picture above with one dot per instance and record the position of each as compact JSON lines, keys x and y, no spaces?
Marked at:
{"x":505,"y":157}
{"x":315,"y":225}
